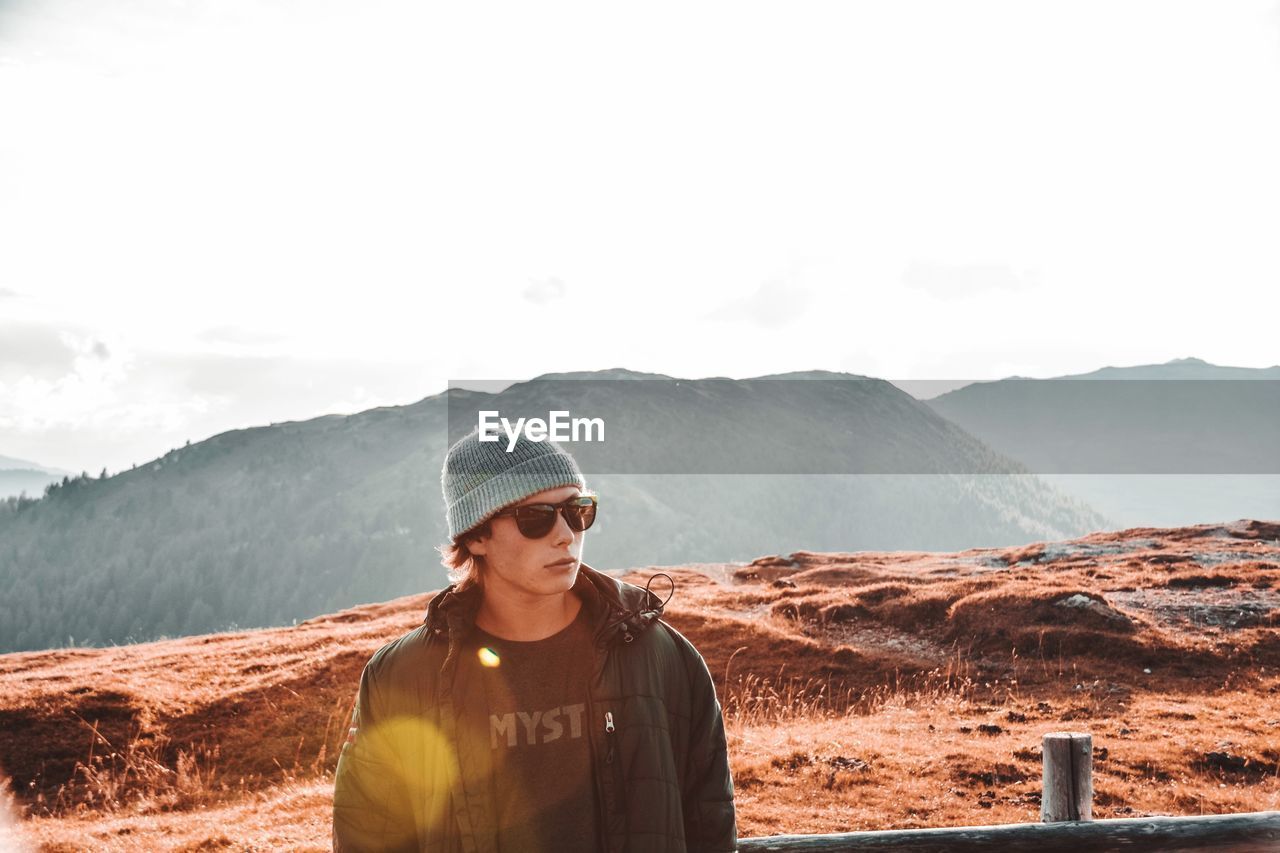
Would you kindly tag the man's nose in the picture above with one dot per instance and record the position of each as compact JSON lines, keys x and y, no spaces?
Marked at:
{"x":562,"y":532}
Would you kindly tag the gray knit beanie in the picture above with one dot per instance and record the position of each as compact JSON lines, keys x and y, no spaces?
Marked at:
{"x":480,"y":478}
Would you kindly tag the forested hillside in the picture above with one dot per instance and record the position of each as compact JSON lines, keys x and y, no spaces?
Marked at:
{"x":268,"y":525}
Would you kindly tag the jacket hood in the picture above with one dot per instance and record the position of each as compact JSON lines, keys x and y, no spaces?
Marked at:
{"x":617,"y":609}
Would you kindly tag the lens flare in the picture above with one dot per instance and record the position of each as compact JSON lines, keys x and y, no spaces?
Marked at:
{"x":419,"y":745}
{"x":11,"y":836}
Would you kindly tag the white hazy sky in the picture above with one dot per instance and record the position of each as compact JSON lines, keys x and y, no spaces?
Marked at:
{"x":224,"y":213}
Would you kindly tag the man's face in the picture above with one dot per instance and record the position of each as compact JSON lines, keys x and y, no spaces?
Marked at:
{"x":518,"y":565}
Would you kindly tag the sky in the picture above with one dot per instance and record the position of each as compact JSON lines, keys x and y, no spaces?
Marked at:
{"x":216,"y":215}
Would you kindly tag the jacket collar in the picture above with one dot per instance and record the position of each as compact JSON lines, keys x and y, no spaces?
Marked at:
{"x":617,"y":609}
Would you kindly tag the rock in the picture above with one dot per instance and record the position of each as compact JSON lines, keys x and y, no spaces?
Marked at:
{"x":841,"y":762}
{"x":1080,"y":601}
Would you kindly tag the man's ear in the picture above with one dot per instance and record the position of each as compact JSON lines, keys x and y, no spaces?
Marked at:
{"x":477,"y":543}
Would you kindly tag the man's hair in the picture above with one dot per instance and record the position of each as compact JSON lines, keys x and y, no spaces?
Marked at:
{"x":465,"y":569}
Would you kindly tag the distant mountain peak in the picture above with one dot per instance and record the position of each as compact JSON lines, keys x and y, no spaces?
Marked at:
{"x":1179,"y":368}
{"x":610,"y":373}
{"x":10,"y":463}
{"x":813,"y":374}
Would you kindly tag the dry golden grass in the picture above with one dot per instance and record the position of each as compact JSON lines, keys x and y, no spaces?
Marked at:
{"x":860,"y":691}
{"x":950,"y":752}
{"x":292,"y":815}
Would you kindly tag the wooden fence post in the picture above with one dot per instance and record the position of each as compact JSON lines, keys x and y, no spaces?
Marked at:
{"x":1067,"y":793}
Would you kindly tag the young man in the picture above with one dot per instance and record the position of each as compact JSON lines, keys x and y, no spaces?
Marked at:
{"x":542,"y":705}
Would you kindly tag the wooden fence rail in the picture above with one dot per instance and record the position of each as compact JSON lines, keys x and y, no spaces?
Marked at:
{"x":1066,"y":807}
{"x":1252,"y":831}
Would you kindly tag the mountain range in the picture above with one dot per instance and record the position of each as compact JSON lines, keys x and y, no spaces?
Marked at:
{"x":274,"y":524}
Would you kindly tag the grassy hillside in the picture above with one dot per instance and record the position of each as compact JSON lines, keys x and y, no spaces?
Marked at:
{"x":868,"y":690}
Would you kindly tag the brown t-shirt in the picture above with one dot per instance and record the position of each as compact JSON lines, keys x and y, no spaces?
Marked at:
{"x":543,"y":779}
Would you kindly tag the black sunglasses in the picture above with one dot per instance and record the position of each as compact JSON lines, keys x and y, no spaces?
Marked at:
{"x":536,"y":520}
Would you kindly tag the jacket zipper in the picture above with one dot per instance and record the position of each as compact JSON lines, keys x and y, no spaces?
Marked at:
{"x":611,"y":798}
{"x":605,"y":802}
{"x":617,"y":797}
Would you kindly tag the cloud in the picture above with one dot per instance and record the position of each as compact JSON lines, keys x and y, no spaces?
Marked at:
{"x":239,"y":336}
{"x":51,"y":376}
{"x":42,"y":352}
{"x":772,"y":305}
{"x":543,"y":291}
{"x":131,"y":406}
{"x":952,"y":281}
{"x":242,"y":387}
{"x":9,"y":293}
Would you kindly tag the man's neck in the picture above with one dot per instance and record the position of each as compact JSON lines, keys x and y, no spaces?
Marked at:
{"x":527,"y":620}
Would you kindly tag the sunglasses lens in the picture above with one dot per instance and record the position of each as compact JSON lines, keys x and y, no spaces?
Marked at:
{"x":536,"y":521}
{"x":580,"y":514}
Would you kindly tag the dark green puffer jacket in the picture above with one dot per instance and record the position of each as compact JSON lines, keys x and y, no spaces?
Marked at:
{"x":413,"y":775}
